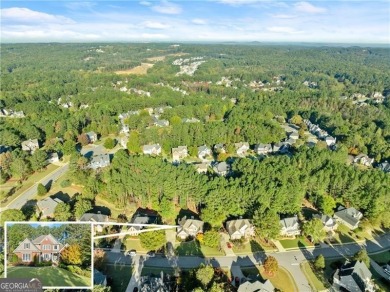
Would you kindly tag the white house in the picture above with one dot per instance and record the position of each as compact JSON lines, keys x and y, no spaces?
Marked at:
{"x":240,"y":228}
{"x":290,"y":226}
{"x":154,"y":149}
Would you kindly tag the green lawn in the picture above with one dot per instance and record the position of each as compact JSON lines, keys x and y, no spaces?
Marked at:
{"x":282,"y":281}
{"x":298,"y":242}
{"x":134,"y":243}
{"x":194,"y":248}
{"x":50,"y":276}
{"x":248,"y":247}
{"x":315,"y":283}
{"x":120,"y":275}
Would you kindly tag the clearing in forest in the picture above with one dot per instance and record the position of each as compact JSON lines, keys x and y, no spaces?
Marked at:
{"x":139,"y":70}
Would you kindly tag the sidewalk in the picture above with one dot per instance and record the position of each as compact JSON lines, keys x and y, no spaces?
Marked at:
{"x":278,"y":245}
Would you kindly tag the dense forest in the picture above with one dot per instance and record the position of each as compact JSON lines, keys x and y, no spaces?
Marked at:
{"x":240,"y":93}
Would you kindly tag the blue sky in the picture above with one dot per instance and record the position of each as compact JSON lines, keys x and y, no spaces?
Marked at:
{"x":343,"y":21}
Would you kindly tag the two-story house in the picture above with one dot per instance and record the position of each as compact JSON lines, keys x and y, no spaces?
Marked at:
{"x":348,"y":216}
{"x":154,"y":149}
{"x":189,"y":227}
{"x":240,"y":228}
{"x":290,"y":226}
{"x":179,"y":153}
{"x":44,"y":247}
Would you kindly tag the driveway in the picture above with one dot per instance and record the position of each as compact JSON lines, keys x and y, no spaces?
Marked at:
{"x":223,"y":242}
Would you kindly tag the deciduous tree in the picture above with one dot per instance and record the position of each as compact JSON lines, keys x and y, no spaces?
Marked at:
{"x":271,"y":265}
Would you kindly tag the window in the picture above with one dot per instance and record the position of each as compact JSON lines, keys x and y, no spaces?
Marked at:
{"x":55,"y":247}
{"x":26,"y":257}
{"x":46,"y":246}
{"x":26,"y":246}
{"x":47,"y":256}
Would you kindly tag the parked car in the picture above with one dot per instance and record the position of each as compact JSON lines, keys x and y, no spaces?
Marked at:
{"x":131,"y":253}
{"x":229,"y":245}
{"x":151,"y":254}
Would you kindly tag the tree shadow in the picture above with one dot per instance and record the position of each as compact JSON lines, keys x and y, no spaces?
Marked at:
{"x":29,"y":208}
{"x":102,"y":209}
{"x":257,"y":250}
{"x":62,"y":196}
{"x":188,"y":213}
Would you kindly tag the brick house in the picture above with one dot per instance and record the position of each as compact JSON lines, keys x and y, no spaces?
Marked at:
{"x":45,"y":247}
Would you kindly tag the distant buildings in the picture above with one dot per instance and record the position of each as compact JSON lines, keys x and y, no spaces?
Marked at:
{"x":154,"y":149}
{"x":179,"y":153}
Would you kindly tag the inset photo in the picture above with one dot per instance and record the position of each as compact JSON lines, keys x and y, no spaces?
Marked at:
{"x":58,"y":254}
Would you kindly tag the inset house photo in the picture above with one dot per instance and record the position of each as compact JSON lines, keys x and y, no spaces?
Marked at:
{"x":57,"y":253}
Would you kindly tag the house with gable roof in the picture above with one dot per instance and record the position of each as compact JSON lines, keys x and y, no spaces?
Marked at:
{"x":241,"y":148}
{"x":290,"y":226}
{"x":92,"y":137}
{"x":47,"y":206}
{"x":350,"y":217}
{"x":329,"y":223}
{"x":45,"y":247}
{"x":179,"y":153}
{"x":189,"y":227}
{"x":154,"y":149}
{"x":30,"y":145}
{"x":203,"y":151}
{"x":96,"y":218}
{"x":263,"y":149}
{"x":240,"y":228}
{"x":353,"y":276}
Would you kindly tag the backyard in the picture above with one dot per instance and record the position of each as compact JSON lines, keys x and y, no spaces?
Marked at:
{"x":50,"y":276}
{"x":282,"y":281}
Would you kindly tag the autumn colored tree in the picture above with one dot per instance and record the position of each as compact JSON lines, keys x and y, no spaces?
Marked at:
{"x":71,"y":255}
{"x":83,"y":139}
{"x":98,"y":258}
{"x":271,"y":265}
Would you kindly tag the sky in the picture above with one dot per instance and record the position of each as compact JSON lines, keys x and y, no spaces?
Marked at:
{"x":342,"y":21}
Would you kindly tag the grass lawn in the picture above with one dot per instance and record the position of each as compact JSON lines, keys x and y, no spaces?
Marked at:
{"x":128,"y":209}
{"x":381,"y":258}
{"x":315,"y":283}
{"x":194,"y":248}
{"x":49,"y":276}
{"x":134,"y":243}
{"x":248,"y":247}
{"x":120,"y":275}
{"x":282,"y":280}
{"x":298,"y":242}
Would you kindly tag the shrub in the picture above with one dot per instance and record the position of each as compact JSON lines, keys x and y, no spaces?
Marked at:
{"x":65,"y":183}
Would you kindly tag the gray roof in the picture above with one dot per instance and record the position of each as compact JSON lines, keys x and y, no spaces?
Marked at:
{"x":100,"y":160}
{"x":256,"y":286}
{"x":385,"y":166}
{"x":40,"y":238}
{"x":98,"y":277}
{"x":235,"y":225}
{"x":349,"y":215}
{"x":289,"y":222}
{"x":221,"y":167}
{"x":148,"y":148}
{"x":94,"y":217}
{"x":324,"y":218}
{"x":203,"y":148}
{"x":352,"y":275}
{"x":48,"y":205}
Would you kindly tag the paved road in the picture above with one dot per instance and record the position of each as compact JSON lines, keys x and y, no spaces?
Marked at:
{"x":288,"y":259}
{"x":30,"y":193}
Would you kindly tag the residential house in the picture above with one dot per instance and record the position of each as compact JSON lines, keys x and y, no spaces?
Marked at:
{"x":99,"y":278}
{"x":192,"y":120}
{"x":154,"y":149}
{"x":240,"y":228}
{"x":219,"y":148}
{"x":96,"y":218}
{"x":263,"y":149}
{"x":348,"y":216}
{"x":99,"y":161}
{"x":241,"y":148}
{"x":141,"y":218}
{"x":44,"y":247}
{"x":221,"y":168}
{"x":330,"y":140}
{"x":201,"y":167}
{"x":161,"y":123}
{"x":353,"y":276}
{"x":53,"y":158}
{"x":47,"y":206}
{"x":250,"y":285}
{"x":30,"y":145}
{"x":329,"y":223}
{"x":363,"y":159}
{"x":203,"y":151}
{"x":276,"y":147}
{"x":189,"y":227}
{"x":92,"y":137}
{"x":179,"y":153}
{"x":290,"y":226}
{"x":384,"y":166}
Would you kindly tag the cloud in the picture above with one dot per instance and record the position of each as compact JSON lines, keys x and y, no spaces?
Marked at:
{"x":199,"y":21}
{"x":155,"y":25}
{"x":283,"y":29}
{"x":25,"y":15}
{"x":166,"y":7}
{"x":284,"y":16}
{"x":154,"y":36}
{"x":306,"y":7}
{"x":238,"y":2}
{"x":145,"y":3}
